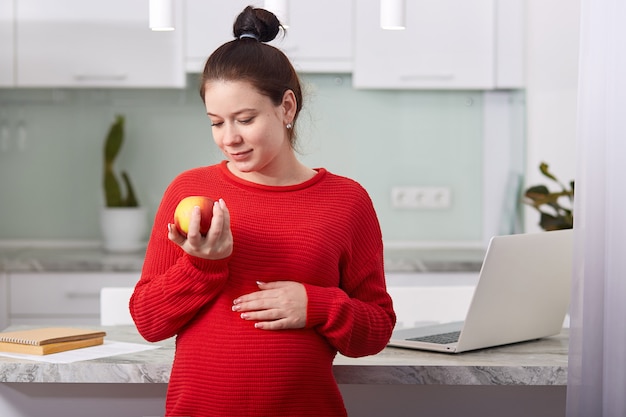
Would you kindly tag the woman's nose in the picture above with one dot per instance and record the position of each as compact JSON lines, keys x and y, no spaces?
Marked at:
{"x":231,"y":134}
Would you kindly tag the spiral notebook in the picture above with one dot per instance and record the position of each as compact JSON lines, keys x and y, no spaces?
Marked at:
{"x":46,"y":340}
{"x":522,"y":294}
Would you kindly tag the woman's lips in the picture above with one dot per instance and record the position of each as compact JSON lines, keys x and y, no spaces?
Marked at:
{"x":239,"y":156}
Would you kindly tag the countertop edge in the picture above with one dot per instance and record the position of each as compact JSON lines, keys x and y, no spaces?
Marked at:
{"x":535,"y":363}
{"x":451,"y":375}
{"x":344,"y":374}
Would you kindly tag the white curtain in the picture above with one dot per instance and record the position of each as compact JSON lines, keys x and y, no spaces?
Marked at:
{"x":597,"y":351}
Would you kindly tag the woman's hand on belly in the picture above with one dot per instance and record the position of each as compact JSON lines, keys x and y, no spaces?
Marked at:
{"x":278,"y":305}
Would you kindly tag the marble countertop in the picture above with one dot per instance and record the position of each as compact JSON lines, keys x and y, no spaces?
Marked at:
{"x":91,"y":258}
{"x":68,"y":259}
{"x":541,"y":362}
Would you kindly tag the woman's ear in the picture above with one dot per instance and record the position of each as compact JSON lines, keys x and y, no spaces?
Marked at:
{"x":289,"y":106}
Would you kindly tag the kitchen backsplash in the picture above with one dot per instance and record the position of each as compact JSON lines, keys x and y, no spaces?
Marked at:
{"x":51,"y":152}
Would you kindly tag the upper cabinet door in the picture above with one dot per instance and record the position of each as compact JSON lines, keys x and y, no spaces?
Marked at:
{"x":320,"y":35}
{"x":6,"y":44}
{"x":447,"y":44}
{"x":510,"y":44}
{"x":77,"y":43}
{"x":209,"y":23}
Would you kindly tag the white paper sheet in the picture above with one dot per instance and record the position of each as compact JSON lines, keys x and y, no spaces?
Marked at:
{"x":109,"y":348}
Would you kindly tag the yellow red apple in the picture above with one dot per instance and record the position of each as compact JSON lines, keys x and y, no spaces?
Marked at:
{"x":182,"y":214}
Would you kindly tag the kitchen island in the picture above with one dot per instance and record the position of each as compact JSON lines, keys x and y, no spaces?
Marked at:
{"x":522,"y":379}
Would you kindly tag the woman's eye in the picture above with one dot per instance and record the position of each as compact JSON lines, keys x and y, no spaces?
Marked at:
{"x":246,"y":121}
{"x":216,"y":124}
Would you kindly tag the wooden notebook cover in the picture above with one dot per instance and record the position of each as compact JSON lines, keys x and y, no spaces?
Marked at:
{"x":48,"y":348}
{"x":48,"y":335}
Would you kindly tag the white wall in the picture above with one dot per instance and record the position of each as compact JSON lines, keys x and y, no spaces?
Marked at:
{"x":552,"y":77}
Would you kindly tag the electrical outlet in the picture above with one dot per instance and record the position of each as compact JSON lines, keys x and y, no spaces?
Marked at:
{"x":436,"y":198}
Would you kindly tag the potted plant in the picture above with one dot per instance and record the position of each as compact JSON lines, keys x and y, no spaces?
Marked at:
{"x":554,"y":215}
{"x":122,"y":220}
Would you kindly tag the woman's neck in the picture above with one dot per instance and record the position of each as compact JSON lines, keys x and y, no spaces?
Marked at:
{"x":287,"y":174}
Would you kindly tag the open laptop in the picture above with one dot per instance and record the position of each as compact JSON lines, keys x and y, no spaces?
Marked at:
{"x":522,"y":294}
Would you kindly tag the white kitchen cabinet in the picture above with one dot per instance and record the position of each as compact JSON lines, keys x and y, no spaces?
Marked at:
{"x":76,"y":43}
{"x":311,"y":49}
{"x":447,"y":44}
{"x":209,"y":23}
{"x":510,"y":44}
{"x":60,"y":298}
{"x":6,"y":43}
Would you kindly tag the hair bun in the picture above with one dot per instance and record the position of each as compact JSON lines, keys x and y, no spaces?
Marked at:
{"x":263,"y":24}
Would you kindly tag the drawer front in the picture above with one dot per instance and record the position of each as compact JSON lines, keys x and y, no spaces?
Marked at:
{"x":62,"y":294}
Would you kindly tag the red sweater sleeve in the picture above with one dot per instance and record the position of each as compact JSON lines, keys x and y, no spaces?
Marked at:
{"x":174,"y":286}
{"x":357,"y":318}
{"x":356,"y":325}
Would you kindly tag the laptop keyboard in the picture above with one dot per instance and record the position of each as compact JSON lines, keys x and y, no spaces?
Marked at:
{"x":442,"y":339}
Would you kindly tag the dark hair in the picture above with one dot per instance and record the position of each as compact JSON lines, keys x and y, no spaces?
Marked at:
{"x":249,"y":58}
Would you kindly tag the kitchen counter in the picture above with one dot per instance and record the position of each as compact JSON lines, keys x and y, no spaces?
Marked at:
{"x":542,"y":362}
{"x":91,"y":258}
{"x":68,"y":259}
{"x":517,"y":381}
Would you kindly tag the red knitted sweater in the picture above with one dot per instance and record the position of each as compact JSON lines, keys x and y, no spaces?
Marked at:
{"x":323,"y":233}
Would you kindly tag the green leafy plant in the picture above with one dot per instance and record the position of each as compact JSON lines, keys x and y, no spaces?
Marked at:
{"x":112,"y":189}
{"x":554,"y":215}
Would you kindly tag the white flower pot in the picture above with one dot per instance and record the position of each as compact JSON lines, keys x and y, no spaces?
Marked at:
{"x":124,"y":228}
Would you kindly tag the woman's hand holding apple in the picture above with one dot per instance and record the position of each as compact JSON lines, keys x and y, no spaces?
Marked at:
{"x":218,"y":241}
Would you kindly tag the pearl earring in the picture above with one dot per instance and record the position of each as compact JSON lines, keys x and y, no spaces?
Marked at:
{"x":288,"y":125}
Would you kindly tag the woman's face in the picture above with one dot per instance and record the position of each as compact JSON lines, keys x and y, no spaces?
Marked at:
{"x":248,"y":128}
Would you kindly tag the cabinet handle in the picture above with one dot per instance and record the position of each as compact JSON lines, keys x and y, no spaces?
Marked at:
{"x":100,"y":77}
{"x":427,"y":77}
{"x":78,"y":294}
